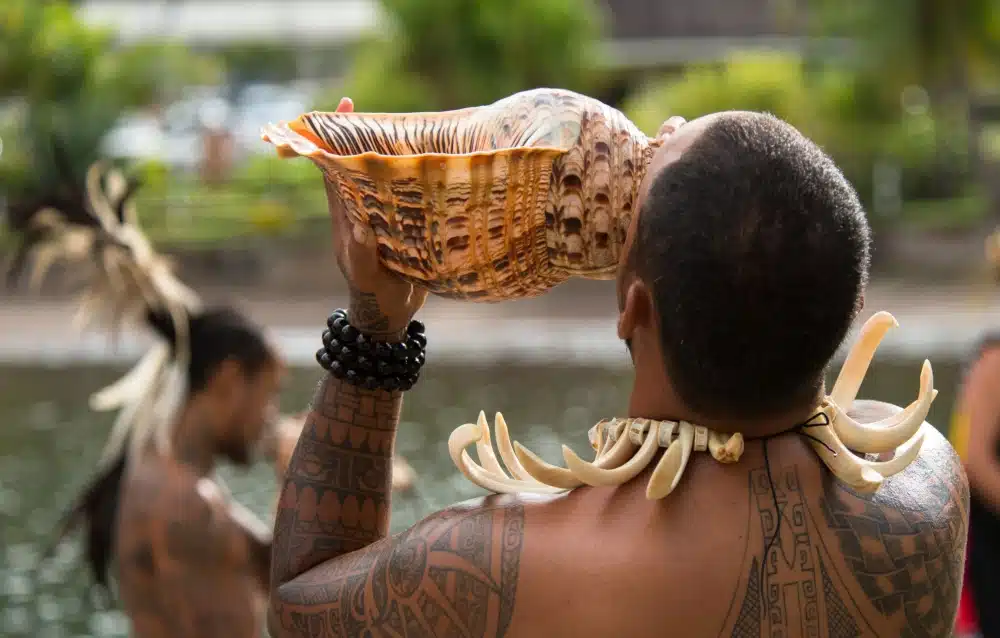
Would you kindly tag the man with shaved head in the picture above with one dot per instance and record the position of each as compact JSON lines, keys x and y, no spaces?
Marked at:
{"x":746,"y":267}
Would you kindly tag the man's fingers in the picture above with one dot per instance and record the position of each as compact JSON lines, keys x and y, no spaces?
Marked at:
{"x":346,"y":105}
{"x":364,"y":236}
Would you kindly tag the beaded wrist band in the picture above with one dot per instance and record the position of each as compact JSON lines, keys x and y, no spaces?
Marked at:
{"x":360,"y":360}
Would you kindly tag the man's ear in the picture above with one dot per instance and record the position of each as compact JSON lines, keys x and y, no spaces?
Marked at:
{"x":226,"y":380}
{"x":637,"y":308}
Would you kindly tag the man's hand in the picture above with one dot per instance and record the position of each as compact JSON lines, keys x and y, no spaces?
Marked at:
{"x":382,"y":304}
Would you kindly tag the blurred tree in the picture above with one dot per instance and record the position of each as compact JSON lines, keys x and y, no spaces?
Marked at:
{"x":843,"y":111}
{"x":948,"y":49}
{"x":69,"y":81}
{"x":445,"y":54}
{"x":253,"y":61}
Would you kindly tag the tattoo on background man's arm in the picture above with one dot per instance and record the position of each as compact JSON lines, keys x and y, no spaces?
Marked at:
{"x":452,"y":575}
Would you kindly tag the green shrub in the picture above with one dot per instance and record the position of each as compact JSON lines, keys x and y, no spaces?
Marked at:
{"x":446,"y":54}
{"x":847,"y":113}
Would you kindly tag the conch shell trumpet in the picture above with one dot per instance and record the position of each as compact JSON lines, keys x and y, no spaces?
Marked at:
{"x":486,"y":203}
{"x":625,"y":447}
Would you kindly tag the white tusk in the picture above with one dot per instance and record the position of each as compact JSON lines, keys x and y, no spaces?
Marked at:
{"x":904,"y":456}
{"x":507,"y":451}
{"x":891,"y":432}
{"x":466,"y":435}
{"x":844,"y":465}
{"x":543,"y":472}
{"x":725,"y":449}
{"x":484,"y":447}
{"x":595,"y":476}
{"x":852,"y":373}
{"x":669,"y":470}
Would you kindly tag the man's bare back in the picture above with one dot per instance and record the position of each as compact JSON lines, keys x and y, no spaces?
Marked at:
{"x":184,"y":567}
{"x":609,"y":562}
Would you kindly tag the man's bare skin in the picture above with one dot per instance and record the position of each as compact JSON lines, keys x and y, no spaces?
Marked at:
{"x":192,"y":561}
{"x":846,"y":564}
{"x":772,"y":545}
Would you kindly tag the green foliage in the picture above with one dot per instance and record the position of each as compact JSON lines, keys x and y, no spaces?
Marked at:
{"x":845,"y":112}
{"x":72,"y":84}
{"x":926,"y":42}
{"x":445,"y":54}
{"x":268,"y":196}
{"x":246,"y":61}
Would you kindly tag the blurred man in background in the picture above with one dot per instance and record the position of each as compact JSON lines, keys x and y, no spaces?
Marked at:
{"x":190,"y":560}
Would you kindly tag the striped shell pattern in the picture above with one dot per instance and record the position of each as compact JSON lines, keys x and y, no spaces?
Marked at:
{"x":487,"y":203}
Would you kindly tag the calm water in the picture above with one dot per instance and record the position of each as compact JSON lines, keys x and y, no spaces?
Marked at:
{"x":50,"y":441}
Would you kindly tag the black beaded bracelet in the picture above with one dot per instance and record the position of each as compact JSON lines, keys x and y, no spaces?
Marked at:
{"x":358,"y":359}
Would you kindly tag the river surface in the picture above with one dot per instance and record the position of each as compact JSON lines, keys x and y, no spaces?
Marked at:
{"x":50,"y":441}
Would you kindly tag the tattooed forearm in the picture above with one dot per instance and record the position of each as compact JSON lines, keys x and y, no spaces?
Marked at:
{"x":453,"y":575}
{"x":366,"y":316}
{"x":335,"y":497}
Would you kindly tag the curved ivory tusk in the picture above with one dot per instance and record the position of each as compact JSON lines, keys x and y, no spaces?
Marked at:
{"x":618,"y":452}
{"x":607,"y":441}
{"x":900,"y":461}
{"x":844,"y":465}
{"x":507,"y":451}
{"x":852,"y":373}
{"x":904,"y":456}
{"x":484,"y":447}
{"x":549,"y":474}
{"x":725,"y":448}
{"x":464,"y":436}
{"x":500,"y":484}
{"x":669,"y":470}
{"x":543,"y":472}
{"x":891,"y":432}
{"x":595,"y":476}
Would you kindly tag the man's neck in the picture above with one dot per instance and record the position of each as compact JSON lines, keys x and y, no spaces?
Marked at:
{"x":665,"y":405}
{"x":191,"y":440}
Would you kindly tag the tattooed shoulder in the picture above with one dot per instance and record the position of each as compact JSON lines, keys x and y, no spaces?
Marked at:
{"x":905,"y":545}
{"x":849,"y":564}
{"x":454,"y":574}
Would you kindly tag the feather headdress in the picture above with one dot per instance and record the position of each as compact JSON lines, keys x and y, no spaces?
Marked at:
{"x":94,"y":231}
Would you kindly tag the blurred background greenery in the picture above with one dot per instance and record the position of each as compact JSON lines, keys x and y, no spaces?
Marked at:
{"x":901,"y":92}
{"x":905,"y":94}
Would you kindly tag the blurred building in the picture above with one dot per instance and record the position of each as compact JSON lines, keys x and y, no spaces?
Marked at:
{"x":643,"y":33}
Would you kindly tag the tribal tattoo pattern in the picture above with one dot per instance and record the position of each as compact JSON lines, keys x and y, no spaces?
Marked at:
{"x":904,"y":550}
{"x":335,"y":571}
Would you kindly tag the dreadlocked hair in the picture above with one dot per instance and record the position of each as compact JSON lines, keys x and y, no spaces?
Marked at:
{"x":95,"y":231}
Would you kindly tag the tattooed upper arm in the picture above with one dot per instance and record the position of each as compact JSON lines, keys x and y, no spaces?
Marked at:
{"x":905,"y":545}
{"x":454,"y":574}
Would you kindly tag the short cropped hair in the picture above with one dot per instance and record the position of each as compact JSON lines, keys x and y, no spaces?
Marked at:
{"x":756,"y":249}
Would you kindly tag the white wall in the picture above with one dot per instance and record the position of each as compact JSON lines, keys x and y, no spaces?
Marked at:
{"x":214,"y":22}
